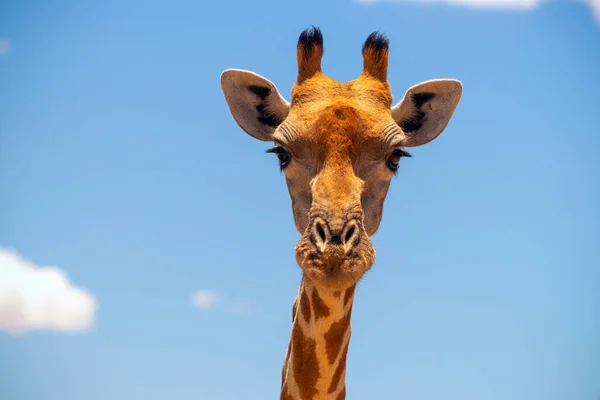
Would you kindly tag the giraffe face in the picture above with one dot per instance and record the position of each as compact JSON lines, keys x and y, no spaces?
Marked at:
{"x":339,"y":145}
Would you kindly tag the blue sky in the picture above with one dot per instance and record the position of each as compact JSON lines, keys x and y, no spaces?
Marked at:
{"x":172,"y":230}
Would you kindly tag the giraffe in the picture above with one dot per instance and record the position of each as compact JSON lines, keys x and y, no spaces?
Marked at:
{"x":339,"y":145}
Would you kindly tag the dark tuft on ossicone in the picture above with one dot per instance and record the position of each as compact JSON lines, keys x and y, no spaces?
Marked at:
{"x":376,"y":41}
{"x":311,"y":37}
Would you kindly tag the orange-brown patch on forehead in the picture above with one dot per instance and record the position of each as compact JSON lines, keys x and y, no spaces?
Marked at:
{"x":365,"y":91}
{"x":340,"y":125}
{"x":349,"y":133}
{"x":330,"y":120}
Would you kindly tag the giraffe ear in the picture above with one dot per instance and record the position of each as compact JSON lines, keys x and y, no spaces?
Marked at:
{"x":254,"y":102}
{"x":425,"y":110}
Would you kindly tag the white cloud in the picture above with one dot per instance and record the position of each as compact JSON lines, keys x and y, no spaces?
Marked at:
{"x":205,"y":299}
{"x":41,"y":298}
{"x":492,"y":4}
{"x":4,"y":46}
{"x":595,"y":6}
{"x":210,"y":299}
{"x":507,"y":4}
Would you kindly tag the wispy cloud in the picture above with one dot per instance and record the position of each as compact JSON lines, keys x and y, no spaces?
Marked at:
{"x":4,"y":46}
{"x":491,"y":4}
{"x":595,"y":7}
{"x":205,"y":299}
{"x":514,"y":4}
{"x":209,"y":299}
{"x":41,"y":298}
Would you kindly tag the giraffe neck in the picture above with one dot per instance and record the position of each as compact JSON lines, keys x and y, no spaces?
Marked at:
{"x":315,"y":363}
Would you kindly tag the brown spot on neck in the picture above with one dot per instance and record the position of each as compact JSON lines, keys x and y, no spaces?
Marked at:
{"x":334,"y":338}
{"x":305,"y":306}
{"x":339,"y":372}
{"x":319,"y":307}
{"x":304,"y":363}
{"x":349,"y":295}
{"x":285,"y":393}
{"x":285,"y":363}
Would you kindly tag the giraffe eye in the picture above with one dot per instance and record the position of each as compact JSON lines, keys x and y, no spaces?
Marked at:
{"x":393,"y":160}
{"x":282,"y":155}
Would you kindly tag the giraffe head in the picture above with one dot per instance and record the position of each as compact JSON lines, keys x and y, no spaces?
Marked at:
{"x":339,"y":146}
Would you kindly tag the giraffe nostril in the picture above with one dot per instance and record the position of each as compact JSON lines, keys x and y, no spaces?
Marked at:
{"x":321,"y":231}
{"x":349,"y":234}
{"x":322,"y":236}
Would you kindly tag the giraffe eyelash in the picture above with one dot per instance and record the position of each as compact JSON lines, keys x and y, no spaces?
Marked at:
{"x":282,"y":155}
{"x":276,"y":150}
{"x":395,"y":166}
{"x":402,"y":153}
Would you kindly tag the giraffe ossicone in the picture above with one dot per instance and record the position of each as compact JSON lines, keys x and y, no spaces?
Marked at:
{"x":339,"y":146}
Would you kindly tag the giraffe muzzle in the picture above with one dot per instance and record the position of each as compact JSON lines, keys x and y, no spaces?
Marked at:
{"x":335,"y":254}
{"x":324,"y":236}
